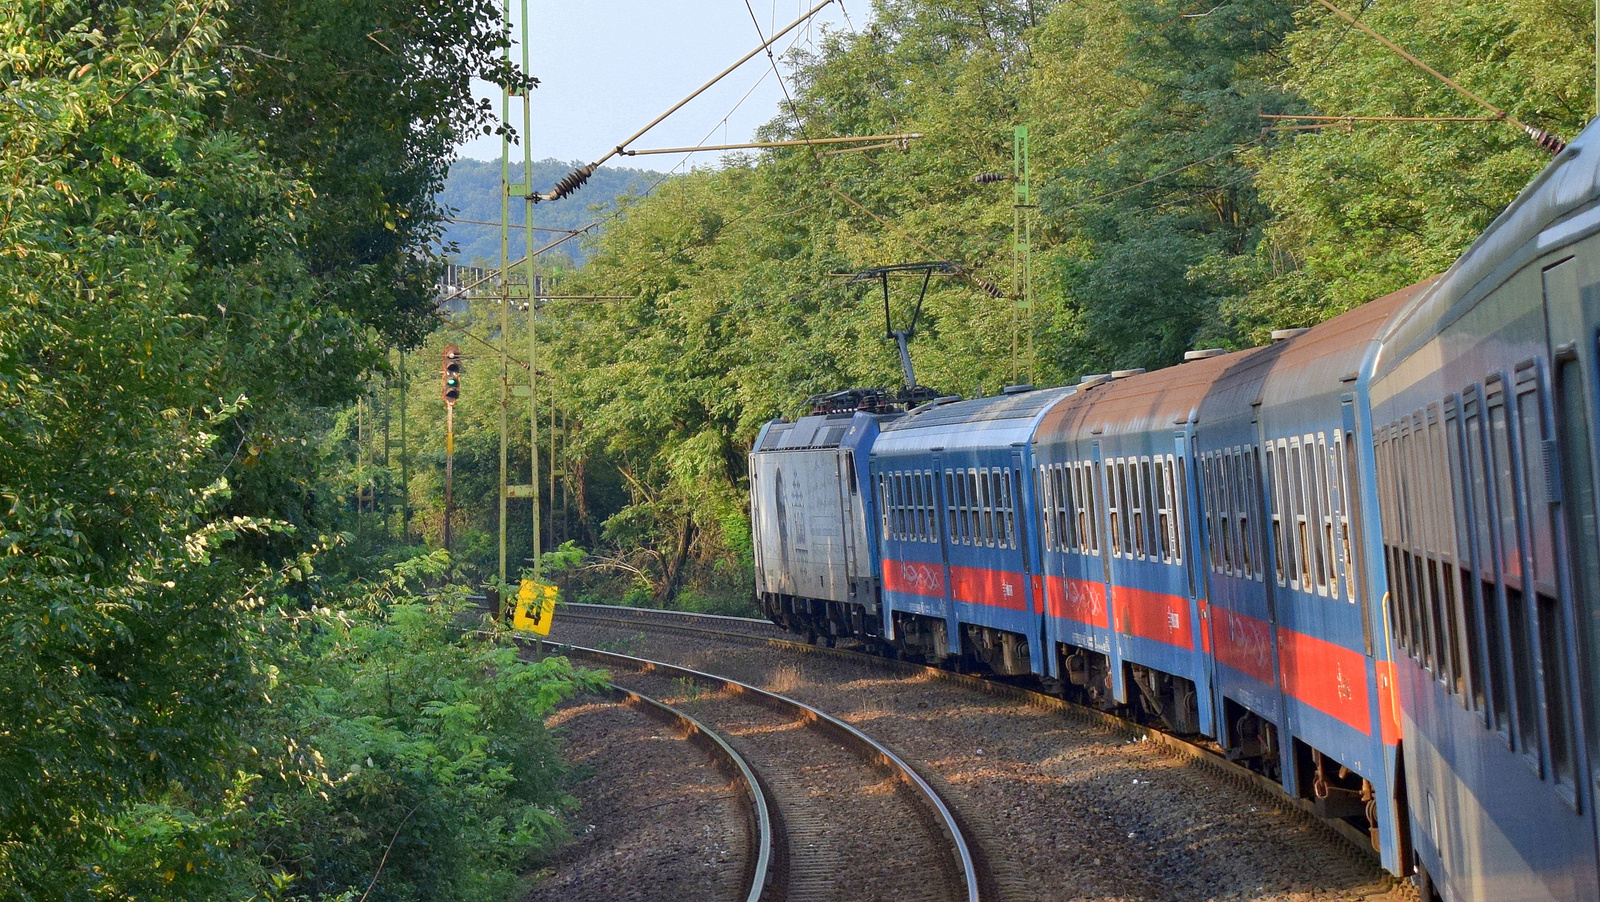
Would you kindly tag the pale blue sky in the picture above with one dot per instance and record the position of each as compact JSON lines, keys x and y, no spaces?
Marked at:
{"x":607,"y":67}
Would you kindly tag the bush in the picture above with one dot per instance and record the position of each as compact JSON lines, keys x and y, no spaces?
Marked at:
{"x":412,"y":751}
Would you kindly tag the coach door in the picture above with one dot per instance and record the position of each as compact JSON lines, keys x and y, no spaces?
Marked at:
{"x":1572,"y":311}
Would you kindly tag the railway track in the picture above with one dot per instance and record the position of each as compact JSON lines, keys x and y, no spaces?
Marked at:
{"x":827,"y":783}
{"x":758,"y":811}
{"x":1358,"y":870}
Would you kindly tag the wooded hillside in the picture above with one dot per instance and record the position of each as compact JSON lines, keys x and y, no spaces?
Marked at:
{"x":1170,"y":216}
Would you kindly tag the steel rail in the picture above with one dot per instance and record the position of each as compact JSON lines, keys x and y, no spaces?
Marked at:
{"x":871,"y":749}
{"x":758,"y":869}
{"x":1196,"y":753}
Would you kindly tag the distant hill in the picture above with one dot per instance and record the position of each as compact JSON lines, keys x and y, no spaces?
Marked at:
{"x":473,"y":190}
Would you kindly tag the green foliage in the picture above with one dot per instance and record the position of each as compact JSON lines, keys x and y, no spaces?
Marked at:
{"x":413,"y":751}
{"x":1167,"y":219}
{"x":165,"y":355}
{"x":1365,"y":211}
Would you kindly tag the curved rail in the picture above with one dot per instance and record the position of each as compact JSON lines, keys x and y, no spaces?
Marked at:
{"x":1198,"y":754}
{"x":869,"y":747}
{"x":653,"y":614}
{"x":758,"y":871}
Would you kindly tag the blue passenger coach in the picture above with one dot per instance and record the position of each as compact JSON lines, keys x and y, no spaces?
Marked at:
{"x":1485,"y":405}
{"x":1303,"y":675}
{"x":1125,"y":606}
{"x":953,"y":484}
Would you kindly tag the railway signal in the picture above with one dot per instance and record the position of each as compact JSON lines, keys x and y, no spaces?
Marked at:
{"x":450,"y":375}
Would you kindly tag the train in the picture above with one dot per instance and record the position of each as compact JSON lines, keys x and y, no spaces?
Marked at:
{"x":1363,"y":560}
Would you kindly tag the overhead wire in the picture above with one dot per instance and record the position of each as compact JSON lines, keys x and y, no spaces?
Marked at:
{"x":620,"y":212}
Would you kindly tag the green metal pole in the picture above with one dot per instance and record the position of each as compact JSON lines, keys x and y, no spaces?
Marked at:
{"x":505,"y":307}
{"x":1021,"y":251}
{"x":533,"y":300}
{"x":405,"y":461}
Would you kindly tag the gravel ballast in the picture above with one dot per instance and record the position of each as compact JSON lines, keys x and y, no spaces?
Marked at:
{"x":1067,"y":810}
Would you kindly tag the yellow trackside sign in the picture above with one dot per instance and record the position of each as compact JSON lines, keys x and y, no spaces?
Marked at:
{"x":536,"y":607}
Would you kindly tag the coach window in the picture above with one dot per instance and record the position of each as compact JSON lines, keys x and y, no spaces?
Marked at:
{"x":1147,"y":497}
{"x":1428,"y":544}
{"x":1238,"y":542}
{"x":952,"y":507}
{"x":1175,"y":504}
{"x":1208,"y":506}
{"x":1252,"y":515}
{"x":1230,"y":509}
{"x":1112,"y":509}
{"x":1094,"y":502}
{"x":1466,"y":583}
{"x":1524,"y":713}
{"x":1048,"y":507}
{"x":892,"y":490}
{"x":1220,"y":502}
{"x":919,"y":491}
{"x":908,"y":513}
{"x":1152,"y":547}
{"x":1137,"y":507}
{"x":1282,"y":489}
{"x":1163,"y":500}
{"x":1316,"y":501}
{"x":1449,"y":576}
{"x":1068,"y":513}
{"x":1084,"y":488}
{"x":1245,"y":488}
{"x":1007,"y":527}
{"x":1217,"y":507}
{"x":897,"y":484}
{"x":1383,"y":461}
{"x":1486,"y":562}
{"x":1552,"y":632}
{"x":1338,"y":470}
{"x":975,"y":526}
{"x":1182,"y":501}
{"x":914,"y":518}
{"x":1318,"y":452}
{"x":1415,"y":444}
{"x":1301,"y":537}
{"x":1124,"y":507}
{"x":1072,"y":538}
{"x":884,"y":509}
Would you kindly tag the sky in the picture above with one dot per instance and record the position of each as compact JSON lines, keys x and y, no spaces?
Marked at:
{"x":608,"y":67}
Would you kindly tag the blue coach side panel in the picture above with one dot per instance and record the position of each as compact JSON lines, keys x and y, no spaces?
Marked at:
{"x":1485,"y":402}
{"x":954,"y":490}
